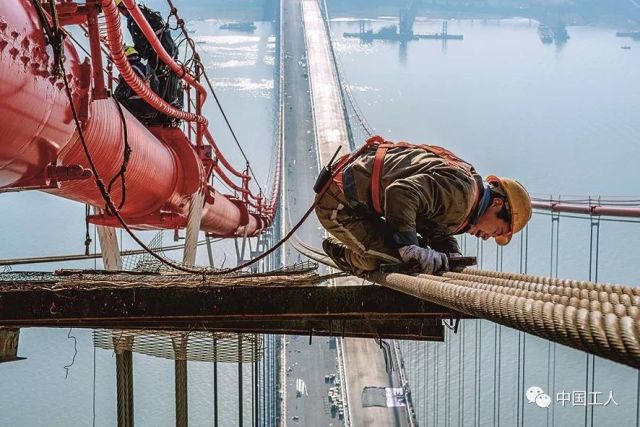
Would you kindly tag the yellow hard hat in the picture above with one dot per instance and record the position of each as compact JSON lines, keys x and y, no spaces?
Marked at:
{"x":519,"y":204}
{"x":130,"y":50}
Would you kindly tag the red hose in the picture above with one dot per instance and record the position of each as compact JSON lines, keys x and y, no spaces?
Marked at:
{"x":114,"y":40}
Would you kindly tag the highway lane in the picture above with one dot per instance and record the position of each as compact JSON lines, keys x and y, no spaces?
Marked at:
{"x":308,"y":362}
{"x":312,"y":132}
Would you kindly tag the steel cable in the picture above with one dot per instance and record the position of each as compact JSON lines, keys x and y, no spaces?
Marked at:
{"x":604,"y":334}
{"x":594,"y":325}
{"x":553,"y":292}
{"x":578,"y":284}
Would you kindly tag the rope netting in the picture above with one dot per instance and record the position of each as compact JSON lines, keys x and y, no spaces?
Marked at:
{"x":197,"y":346}
{"x":302,"y":273}
{"x":144,"y":261}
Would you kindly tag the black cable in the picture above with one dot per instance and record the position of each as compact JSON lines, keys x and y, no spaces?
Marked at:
{"x":109,"y":202}
{"x":196,"y":59}
{"x":226,"y":120}
{"x":46,"y":27}
{"x":126,"y":155}
{"x":87,"y":236}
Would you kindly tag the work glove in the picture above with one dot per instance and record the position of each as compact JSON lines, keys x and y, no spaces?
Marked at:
{"x":431,"y":261}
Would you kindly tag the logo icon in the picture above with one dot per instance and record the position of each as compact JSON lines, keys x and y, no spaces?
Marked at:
{"x":536,"y":395}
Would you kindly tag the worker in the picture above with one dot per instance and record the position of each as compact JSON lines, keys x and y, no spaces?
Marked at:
{"x":169,"y":83}
{"x":125,"y":94}
{"x":400,"y":202}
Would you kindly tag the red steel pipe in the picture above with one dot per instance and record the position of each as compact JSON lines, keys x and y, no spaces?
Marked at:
{"x":38,"y":130}
{"x":34,"y":114}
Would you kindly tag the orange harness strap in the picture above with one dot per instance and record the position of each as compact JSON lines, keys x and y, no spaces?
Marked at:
{"x":371,"y":142}
{"x":382,"y":147}
{"x":443,"y":153}
{"x":376,"y":177}
{"x":337,"y":178}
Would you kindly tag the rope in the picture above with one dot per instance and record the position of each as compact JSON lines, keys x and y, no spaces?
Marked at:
{"x":87,"y":235}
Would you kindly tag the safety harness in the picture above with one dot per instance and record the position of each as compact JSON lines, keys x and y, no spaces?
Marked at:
{"x":382,"y":146}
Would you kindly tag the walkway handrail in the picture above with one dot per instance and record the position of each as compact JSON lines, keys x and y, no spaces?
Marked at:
{"x":587,"y":209}
{"x":219,"y":154}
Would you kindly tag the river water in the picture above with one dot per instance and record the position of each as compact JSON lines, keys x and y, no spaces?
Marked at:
{"x":562,"y":119}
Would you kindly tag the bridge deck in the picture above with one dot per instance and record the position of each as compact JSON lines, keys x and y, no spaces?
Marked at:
{"x":328,"y":112}
{"x":363,"y":366}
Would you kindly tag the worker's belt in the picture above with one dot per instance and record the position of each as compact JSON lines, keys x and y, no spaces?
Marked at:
{"x":346,"y":183}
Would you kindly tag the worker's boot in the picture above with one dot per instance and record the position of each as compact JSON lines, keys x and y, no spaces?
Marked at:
{"x":336,"y":251}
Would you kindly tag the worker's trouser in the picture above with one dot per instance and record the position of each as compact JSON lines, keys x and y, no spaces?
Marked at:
{"x":365,"y":236}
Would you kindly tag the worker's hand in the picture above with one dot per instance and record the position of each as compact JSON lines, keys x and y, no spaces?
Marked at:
{"x":430,"y":261}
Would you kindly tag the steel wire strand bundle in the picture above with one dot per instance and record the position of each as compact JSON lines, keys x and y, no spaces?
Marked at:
{"x":619,"y":310}
{"x":579,"y":284}
{"x":562,"y":293}
{"x":606,"y":335}
{"x":592,"y":326}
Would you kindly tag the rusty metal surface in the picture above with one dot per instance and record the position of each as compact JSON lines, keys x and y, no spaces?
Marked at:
{"x":279,"y":302}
